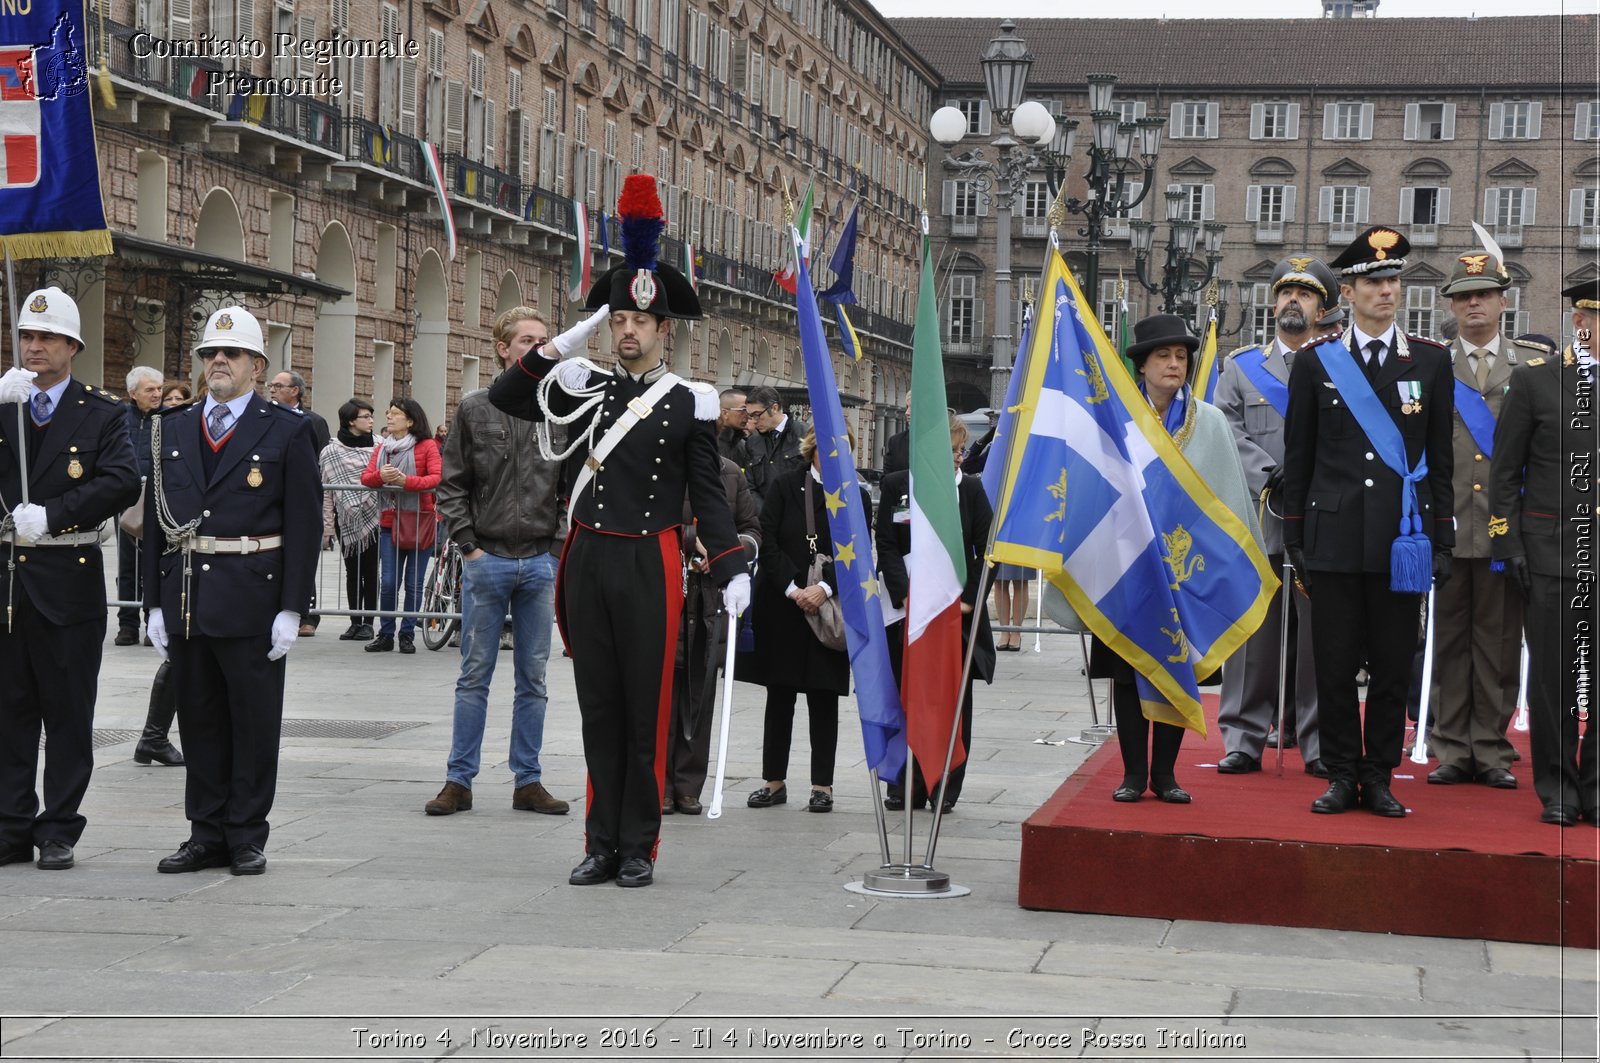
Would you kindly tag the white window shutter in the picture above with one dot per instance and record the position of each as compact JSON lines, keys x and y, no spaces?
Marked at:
{"x":408,"y":96}
{"x":455,"y":115}
{"x":947,"y":199}
{"x":1176,"y":121}
{"x":180,"y":19}
{"x":1208,"y":202}
{"x":1444,"y":206}
{"x":561,"y":163}
{"x":1252,"y":203}
{"x":524,"y":149}
{"x":1535,"y":117}
{"x":1575,"y":205}
{"x":221,"y":19}
{"x":1213,"y":120}
{"x":1363,"y":202}
{"x":1408,"y":205}
{"x":1530,"y":198}
{"x":1325,"y":203}
{"x":358,"y":86}
{"x":985,"y":118}
{"x":1288,"y":203}
{"x":245,"y":19}
{"x":305,"y":65}
{"x":1258,"y":120}
{"x":1367,"y":112}
{"x":1491,"y":205}
{"x":1447,"y":124}
{"x":1580,"y":122}
{"x":1294,"y":121}
{"x":1327,"y":120}
{"x":1497,"y":117}
{"x":983,"y":204}
{"x":977,"y":323}
{"x":488,"y":132}
{"x":1413,"y":125}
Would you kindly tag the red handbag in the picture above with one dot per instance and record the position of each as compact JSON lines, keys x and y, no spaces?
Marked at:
{"x":414,"y":529}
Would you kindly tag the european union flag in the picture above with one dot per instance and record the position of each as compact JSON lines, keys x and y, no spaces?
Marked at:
{"x":883,"y":723}
{"x":1098,"y":495}
{"x":843,"y":264}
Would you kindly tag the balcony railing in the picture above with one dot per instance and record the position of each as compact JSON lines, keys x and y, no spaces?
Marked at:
{"x":483,"y":184}
{"x":370,"y":143}
{"x":550,"y":209}
{"x":669,"y":66}
{"x":1423,"y":234}
{"x":617,"y":33}
{"x":300,"y":117}
{"x":1588,"y":236}
{"x":641,"y":49}
{"x":1508,"y":235}
{"x":586,"y":16}
{"x":185,"y":79}
{"x":716,"y":95}
{"x":1271,"y":232}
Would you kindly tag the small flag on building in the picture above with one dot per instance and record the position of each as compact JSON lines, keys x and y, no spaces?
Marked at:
{"x":688,"y":265}
{"x":788,"y":277}
{"x":430,"y":157}
{"x":578,"y":279}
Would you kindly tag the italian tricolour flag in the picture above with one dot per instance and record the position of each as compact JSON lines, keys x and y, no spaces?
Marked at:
{"x":578,"y":278}
{"x":930,"y":683}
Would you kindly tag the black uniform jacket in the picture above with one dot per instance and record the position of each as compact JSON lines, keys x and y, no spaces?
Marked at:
{"x":641,"y":487}
{"x":82,"y":472}
{"x":266,"y":483}
{"x":1341,"y":502}
{"x":1542,"y":487}
{"x":893,"y":537}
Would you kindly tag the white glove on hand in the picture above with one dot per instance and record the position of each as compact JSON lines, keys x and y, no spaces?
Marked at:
{"x":577,"y":337}
{"x":155,"y":626}
{"x":31,"y":523}
{"x":16,"y":385}
{"x":736,"y":595}
{"x":285,"y":629}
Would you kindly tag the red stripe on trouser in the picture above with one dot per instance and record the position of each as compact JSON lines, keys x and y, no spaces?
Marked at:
{"x":671,"y":563}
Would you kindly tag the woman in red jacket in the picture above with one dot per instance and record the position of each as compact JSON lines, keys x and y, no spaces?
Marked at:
{"x":408,"y":459}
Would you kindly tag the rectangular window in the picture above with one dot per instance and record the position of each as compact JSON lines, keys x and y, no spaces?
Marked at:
{"x":1271,"y":207}
{"x":1424,"y":209}
{"x":1515,"y":321}
{"x":1035,"y":205}
{"x":1263,"y":325}
{"x":964,"y":206}
{"x":1199,"y":202}
{"x":1194,"y":119}
{"x":1343,"y":121}
{"x":1430,"y":121}
{"x":1586,"y":120}
{"x":961,"y":328}
{"x":1344,"y":209}
{"x":1509,"y":212}
{"x":1279,"y":121}
{"x":1127,"y":110}
{"x":1583,"y":214}
{"x":1420,"y":303}
{"x":1515,"y":120}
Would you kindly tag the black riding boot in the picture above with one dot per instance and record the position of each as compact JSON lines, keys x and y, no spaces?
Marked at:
{"x":153,"y":744}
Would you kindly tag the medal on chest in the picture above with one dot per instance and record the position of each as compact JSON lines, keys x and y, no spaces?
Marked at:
{"x":254,"y":479}
{"x":1410,"y":396}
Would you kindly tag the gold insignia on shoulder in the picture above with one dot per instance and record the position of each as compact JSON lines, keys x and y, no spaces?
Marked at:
{"x":1475,"y":263}
{"x":1381,"y":240}
{"x":1535,"y":361}
{"x":1498,"y":526}
{"x":75,"y":469}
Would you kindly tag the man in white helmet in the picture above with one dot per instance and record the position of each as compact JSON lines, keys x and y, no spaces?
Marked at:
{"x":66,"y":466}
{"x":233,"y":527}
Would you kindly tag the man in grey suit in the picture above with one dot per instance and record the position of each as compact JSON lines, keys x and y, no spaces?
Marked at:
{"x":1253,"y":394}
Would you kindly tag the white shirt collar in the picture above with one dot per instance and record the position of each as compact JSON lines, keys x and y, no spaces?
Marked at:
{"x":1362,"y":339}
{"x":1493,"y":346}
{"x":55,"y":391}
{"x":236,"y":405}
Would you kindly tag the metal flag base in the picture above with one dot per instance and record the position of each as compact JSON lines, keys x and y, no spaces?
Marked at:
{"x":910,"y":881}
{"x":1096,"y":735}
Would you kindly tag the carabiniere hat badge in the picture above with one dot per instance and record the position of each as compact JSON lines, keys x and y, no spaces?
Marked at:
{"x":643,"y":288}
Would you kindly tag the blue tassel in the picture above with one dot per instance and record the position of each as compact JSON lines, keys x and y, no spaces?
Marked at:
{"x":1497,"y":566}
{"x":1411,"y":564}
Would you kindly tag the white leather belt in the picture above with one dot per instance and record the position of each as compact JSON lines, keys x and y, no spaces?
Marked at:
{"x":244,"y":544}
{"x":69,"y":539}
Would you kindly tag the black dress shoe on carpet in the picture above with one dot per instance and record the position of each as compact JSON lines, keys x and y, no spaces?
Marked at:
{"x":1127,"y":794}
{"x":1172,"y":793}
{"x":194,"y":856}
{"x":766,"y":797}
{"x":16,"y":856}
{"x":1238,"y":763}
{"x":821,"y":801}
{"x":1449,"y":775}
{"x":1339,"y":797}
{"x":1289,"y":740}
{"x":54,"y":856}
{"x":1380,"y":802}
{"x":380,"y":644}
{"x":249,"y":860}
{"x":1560,"y":815}
{"x":163,"y":752}
{"x":126,"y":637}
{"x":689,"y":806}
{"x":595,"y":869}
{"x":636,"y":871}
{"x":1499,"y":778}
{"x":1315,"y":767}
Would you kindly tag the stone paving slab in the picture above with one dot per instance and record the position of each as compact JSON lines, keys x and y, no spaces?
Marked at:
{"x":1167,"y":964}
{"x":777,"y":942}
{"x":1006,"y":993}
{"x":624,"y":969}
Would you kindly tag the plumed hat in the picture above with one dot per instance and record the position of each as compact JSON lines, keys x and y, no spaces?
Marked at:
{"x":641,"y":282}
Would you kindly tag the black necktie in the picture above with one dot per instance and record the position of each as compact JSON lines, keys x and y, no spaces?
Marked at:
{"x":1374,"y":358}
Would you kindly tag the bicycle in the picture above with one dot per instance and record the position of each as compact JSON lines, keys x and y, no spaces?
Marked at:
{"x":442,"y":594}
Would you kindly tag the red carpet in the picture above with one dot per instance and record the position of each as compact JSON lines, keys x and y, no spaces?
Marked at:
{"x":1469,"y":861}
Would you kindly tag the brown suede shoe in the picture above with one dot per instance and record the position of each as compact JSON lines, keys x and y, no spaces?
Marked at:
{"x":453,"y":798}
{"x":535,"y":798}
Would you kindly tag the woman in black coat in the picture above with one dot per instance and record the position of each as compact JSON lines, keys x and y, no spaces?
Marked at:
{"x":893,"y":538}
{"x":788,"y":658}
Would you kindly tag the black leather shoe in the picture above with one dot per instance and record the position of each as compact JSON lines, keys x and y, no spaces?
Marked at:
{"x":249,"y":860}
{"x":821,"y":801}
{"x":636,"y":871}
{"x":1127,"y":794}
{"x":194,"y":856}
{"x":1238,"y":763}
{"x":1289,"y":740}
{"x":16,"y":856}
{"x":1315,"y":767}
{"x":55,"y":856}
{"x":595,"y":869}
{"x":1560,"y":815}
{"x":126,"y":636}
{"x":689,"y":806}
{"x":1339,"y":797}
{"x":895,"y":804}
{"x":766,"y":797}
{"x":1172,"y":794}
{"x":1380,"y":802}
{"x":1448,"y":775}
{"x":163,"y":752}
{"x":1499,"y":778}
{"x":351,"y":633}
{"x":407,"y":644}
{"x":381,"y":644}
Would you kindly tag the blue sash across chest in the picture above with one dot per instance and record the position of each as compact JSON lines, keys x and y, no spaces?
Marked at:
{"x":1253,"y":363}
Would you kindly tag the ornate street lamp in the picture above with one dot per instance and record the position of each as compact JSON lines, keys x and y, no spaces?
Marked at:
{"x":1181,"y":275}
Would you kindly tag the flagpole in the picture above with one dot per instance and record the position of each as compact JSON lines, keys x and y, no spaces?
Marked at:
{"x":955,"y":723}
{"x":16,"y":352}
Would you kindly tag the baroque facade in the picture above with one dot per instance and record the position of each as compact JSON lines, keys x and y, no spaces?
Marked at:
{"x":309,"y":199}
{"x":1297,"y":134}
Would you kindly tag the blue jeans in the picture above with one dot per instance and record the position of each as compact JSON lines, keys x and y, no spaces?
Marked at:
{"x":390,"y":562}
{"x":492,"y":586}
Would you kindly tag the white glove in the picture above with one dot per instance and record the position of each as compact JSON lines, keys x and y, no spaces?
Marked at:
{"x":155,"y":626}
{"x":16,"y":385}
{"x":577,"y":337}
{"x":31,"y":523}
{"x":285,"y":629}
{"x":736,"y":595}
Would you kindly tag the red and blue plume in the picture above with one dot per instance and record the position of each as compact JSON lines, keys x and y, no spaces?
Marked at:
{"x":642,"y":222}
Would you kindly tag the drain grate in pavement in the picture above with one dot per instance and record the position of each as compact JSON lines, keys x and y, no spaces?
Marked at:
{"x":105,"y":736}
{"x":344,"y":728}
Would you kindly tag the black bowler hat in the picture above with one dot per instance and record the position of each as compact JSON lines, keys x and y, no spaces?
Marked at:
{"x":641,"y":282}
{"x":1159,"y":330}
{"x":1585,"y":295}
{"x":1308,"y":272}
{"x":1378,"y":252}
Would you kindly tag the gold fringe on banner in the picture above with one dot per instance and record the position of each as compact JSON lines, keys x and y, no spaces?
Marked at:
{"x":94,"y":243}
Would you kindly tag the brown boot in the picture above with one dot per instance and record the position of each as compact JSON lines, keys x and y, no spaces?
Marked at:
{"x":453,"y":798}
{"x":535,"y":798}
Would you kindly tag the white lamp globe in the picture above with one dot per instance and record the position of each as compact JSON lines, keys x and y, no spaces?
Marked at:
{"x":948,"y":125}
{"x":1033,"y":123}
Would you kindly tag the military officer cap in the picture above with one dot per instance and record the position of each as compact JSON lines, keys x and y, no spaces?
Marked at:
{"x":1477,"y":271}
{"x":1378,"y":252}
{"x":1585,"y":295}
{"x":1307,"y":272}
{"x":642,"y":282}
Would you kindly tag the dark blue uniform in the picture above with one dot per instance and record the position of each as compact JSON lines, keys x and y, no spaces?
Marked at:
{"x":81,"y":470}
{"x":262,"y":480}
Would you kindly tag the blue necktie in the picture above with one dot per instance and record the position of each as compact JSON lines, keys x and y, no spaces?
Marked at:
{"x":218,"y":419}
{"x":41,"y":408}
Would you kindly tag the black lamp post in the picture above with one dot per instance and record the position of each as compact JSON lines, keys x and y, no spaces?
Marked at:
{"x":1182,"y":275}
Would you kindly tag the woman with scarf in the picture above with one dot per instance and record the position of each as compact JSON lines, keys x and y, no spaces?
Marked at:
{"x":350,"y":516}
{"x":1162,"y":354}
{"x":407,"y":458}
